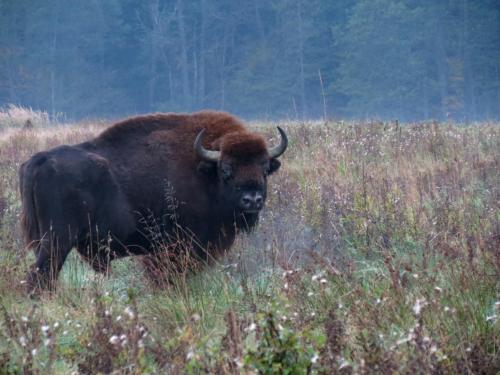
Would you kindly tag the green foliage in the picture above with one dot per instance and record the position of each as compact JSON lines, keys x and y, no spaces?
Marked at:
{"x":279,"y":350}
{"x":365,"y":58}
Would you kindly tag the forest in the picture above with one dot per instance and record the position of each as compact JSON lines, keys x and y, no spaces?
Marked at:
{"x":261,"y":59}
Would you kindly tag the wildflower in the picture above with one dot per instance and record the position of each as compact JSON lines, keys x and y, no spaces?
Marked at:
{"x":446,"y":309}
{"x":438,"y":289}
{"x":323,"y":281}
{"x":280,"y":327}
{"x":286,"y":273}
{"x":56,"y":324}
{"x":403,"y":340}
{"x":118,"y":318}
{"x":491,"y":318}
{"x":23,"y":341}
{"x":195,"y":317}
{"x":128,"y":310}
{"x":47,"y":342}
{"x":251,"y":327}
{"x":33,"y":352}
{"x":343,"y":363}
{"x":238,"y":362}
{"x":310,"y":294}
{"x":24,"y":319}
{"x":45,"y":328}
{"x":113,"y":339}
{"x":419,"y":304}
{"x":315,"y":358}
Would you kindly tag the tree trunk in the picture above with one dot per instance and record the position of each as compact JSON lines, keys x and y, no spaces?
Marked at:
{"x":154,"y":13}
{"x":301,"y":61}
{"x":203,"y":31}
{"x":470,"y":97}
{"x":53,"y":62}
{"x":440,"y":57}
{"x":184,"y":55}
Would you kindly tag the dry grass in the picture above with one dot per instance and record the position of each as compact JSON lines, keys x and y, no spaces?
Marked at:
{"x":379,"y":252}
{"x":20,"y":117}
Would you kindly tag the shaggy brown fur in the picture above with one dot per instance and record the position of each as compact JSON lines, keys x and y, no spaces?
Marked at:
{"x":140,"y":187}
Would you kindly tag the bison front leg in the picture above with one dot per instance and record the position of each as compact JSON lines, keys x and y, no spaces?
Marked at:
{"x":51,"y":253}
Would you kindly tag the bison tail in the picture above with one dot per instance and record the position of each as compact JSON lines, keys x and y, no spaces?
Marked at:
{"x":29,"y":220}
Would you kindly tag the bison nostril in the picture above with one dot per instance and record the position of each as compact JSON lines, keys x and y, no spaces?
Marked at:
{"x":246,"y":201}
{"x":252,"y":201}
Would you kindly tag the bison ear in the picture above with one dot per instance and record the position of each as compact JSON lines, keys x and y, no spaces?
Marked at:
{"x":274,"y":165}
{"x":207,"y":168}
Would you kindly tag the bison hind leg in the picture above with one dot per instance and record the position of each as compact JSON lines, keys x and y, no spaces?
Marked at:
{"x":51,"y":253}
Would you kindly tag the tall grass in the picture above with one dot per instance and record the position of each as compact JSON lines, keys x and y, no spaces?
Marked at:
{"x":378,"y":252}
{"x":13,"y":116}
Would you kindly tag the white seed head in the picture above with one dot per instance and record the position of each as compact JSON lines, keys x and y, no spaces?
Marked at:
{"x":128,"y":310}
{"x":251,"y":327}
{"x":23,"y":341}
{"x":113,"y":339}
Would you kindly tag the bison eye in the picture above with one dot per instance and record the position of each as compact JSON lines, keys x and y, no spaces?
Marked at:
{"x":265,"y":168}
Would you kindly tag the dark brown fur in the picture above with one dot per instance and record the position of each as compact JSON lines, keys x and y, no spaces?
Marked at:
{"x":139,"y":187}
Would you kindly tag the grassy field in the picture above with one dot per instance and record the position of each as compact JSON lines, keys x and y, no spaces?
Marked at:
{"x":378,"y":252}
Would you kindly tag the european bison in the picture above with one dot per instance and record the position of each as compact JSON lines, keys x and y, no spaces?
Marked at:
{"x":163,"y":178}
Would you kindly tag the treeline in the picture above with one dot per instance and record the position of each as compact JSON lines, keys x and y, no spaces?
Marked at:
{"x":406,"y":59}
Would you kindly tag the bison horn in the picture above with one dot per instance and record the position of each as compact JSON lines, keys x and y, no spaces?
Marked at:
{"x":202,"y":152}
{"x":279,"y":149}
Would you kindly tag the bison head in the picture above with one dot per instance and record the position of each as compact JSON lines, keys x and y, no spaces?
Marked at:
{"x":241,"y":168}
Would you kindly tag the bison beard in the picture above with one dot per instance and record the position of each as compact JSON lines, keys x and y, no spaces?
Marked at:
{"x":165,"y":181}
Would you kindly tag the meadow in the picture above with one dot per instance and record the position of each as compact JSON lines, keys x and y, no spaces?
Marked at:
{"x":378,"y":253}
